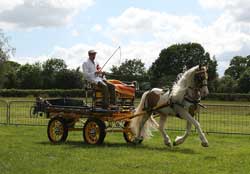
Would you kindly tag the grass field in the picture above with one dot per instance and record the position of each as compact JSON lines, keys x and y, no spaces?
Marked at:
{"x":27,"y":150}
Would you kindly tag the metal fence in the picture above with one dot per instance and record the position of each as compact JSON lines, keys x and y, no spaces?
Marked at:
{"x":226,"y":119}
{"x":223,"y":119}
{"x":21,"y":113}
{"x":3,"y":112}
{"x":233,"y":119}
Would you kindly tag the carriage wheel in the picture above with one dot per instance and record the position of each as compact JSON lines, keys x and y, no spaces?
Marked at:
{"x":94,"y":131}
{"x":57,"y":130}
{"x":128,"y":134}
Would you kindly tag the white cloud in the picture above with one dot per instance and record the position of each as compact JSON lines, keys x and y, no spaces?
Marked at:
{"x":97,"y":28}
{"x":77,"y":54}
{"x":41,"y":13}
{"x":221,"y":36}
{"x":238,"y":9}
{"x":9,"y":5}
{"x":29,"y":59}
{"x":75,"y":33}
{"x":216,"y":4}
{"x":144,"y":33}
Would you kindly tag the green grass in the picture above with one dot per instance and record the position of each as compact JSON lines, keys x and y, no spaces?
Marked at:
{"x":27,"y":150}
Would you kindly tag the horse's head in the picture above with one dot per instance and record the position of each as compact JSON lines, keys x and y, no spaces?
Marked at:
{"x":198,"y":88}
{"x":192,"y":84}
{"x":200,"y":80}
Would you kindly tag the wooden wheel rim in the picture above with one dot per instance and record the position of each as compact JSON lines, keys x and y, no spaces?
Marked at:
{"x":56,"y":130}
{"x":92,"y":132}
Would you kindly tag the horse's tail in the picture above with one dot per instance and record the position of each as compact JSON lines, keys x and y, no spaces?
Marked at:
{"x":135,"y":122}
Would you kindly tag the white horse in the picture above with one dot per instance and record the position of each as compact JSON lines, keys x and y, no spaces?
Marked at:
{"x":182,"y":101}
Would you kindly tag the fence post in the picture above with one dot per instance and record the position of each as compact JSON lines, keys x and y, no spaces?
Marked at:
{"x":8,"y":113}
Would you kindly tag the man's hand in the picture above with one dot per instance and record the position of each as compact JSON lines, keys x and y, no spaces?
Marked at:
{"x":99,"y":72}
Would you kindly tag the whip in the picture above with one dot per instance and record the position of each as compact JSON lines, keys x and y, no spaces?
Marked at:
{"x":119,"y":48}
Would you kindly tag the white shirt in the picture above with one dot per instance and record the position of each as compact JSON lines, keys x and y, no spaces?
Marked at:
{"x":89,"y":69}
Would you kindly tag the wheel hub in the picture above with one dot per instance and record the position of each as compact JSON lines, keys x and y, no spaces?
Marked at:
{"x":93,"y":132}
{"x":57,"y":131}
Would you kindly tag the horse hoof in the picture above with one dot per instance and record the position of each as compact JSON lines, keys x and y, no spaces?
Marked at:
{"x":138,"y":140}
{"x":204,"y":144}
{"x":177,"y":143}
{"x":169,"y":144}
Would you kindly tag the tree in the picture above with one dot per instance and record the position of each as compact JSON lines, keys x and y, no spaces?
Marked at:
{"x":227,"y":84}
{"x":5,"y":51}
{"x":50,"y":68}
{"x":73,"y":79}
{"x":29,"y":76}
{"x":174,"y":59}
{"x":237,"y":66}
{"x":130,"y":70}
{"x":244,"y":81}
{"x":10,"y":74}
{"x":212,"y":75}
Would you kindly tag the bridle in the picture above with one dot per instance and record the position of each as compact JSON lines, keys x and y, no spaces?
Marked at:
{"x":200,"y":80}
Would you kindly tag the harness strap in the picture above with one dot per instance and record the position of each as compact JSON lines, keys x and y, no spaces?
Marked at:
{"x":191,"y":101}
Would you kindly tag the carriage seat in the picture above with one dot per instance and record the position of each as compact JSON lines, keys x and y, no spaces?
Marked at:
{"x":125,"y":93}
{"x":122,"y":88}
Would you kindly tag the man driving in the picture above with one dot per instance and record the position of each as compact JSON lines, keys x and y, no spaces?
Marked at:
{"x":94,"y":74}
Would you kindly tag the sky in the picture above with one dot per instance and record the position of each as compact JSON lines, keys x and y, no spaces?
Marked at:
{"x":67,"y":29}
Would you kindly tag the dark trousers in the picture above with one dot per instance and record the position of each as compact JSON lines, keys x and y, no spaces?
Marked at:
{"x":108,"y":91}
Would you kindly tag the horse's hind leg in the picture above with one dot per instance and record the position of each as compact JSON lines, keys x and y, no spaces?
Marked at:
{"x":142,"y":123}
{"x":181,"y":139}
{"x":165,"y":136}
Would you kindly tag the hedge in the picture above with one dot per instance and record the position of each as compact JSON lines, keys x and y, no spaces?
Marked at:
{"x":81,"y":93}
{"x":42,"y":93}
{"x":229,"y":96}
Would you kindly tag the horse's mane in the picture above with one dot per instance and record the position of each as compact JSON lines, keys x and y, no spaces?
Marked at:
{"x":182,"y":83}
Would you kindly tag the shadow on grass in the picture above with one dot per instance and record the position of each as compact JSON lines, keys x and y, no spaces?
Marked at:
{"x":80,"y":144}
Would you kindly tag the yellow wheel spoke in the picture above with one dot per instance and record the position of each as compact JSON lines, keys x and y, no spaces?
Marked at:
{"x":92,"y":132}
{"x":56,"y":130}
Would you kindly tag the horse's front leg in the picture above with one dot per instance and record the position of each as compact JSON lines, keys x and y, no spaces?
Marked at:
{"x":165,"y":136}
{"x":184,"y":114}
{"x":180,"y":139}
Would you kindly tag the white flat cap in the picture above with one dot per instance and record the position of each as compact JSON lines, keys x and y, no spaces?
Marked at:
{"x":92,"y":52}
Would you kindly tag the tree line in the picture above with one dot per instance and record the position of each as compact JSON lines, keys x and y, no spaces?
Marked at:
{"x":54,"y":73}
{"x":51,"y":74}
{"x":237,"y":76}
